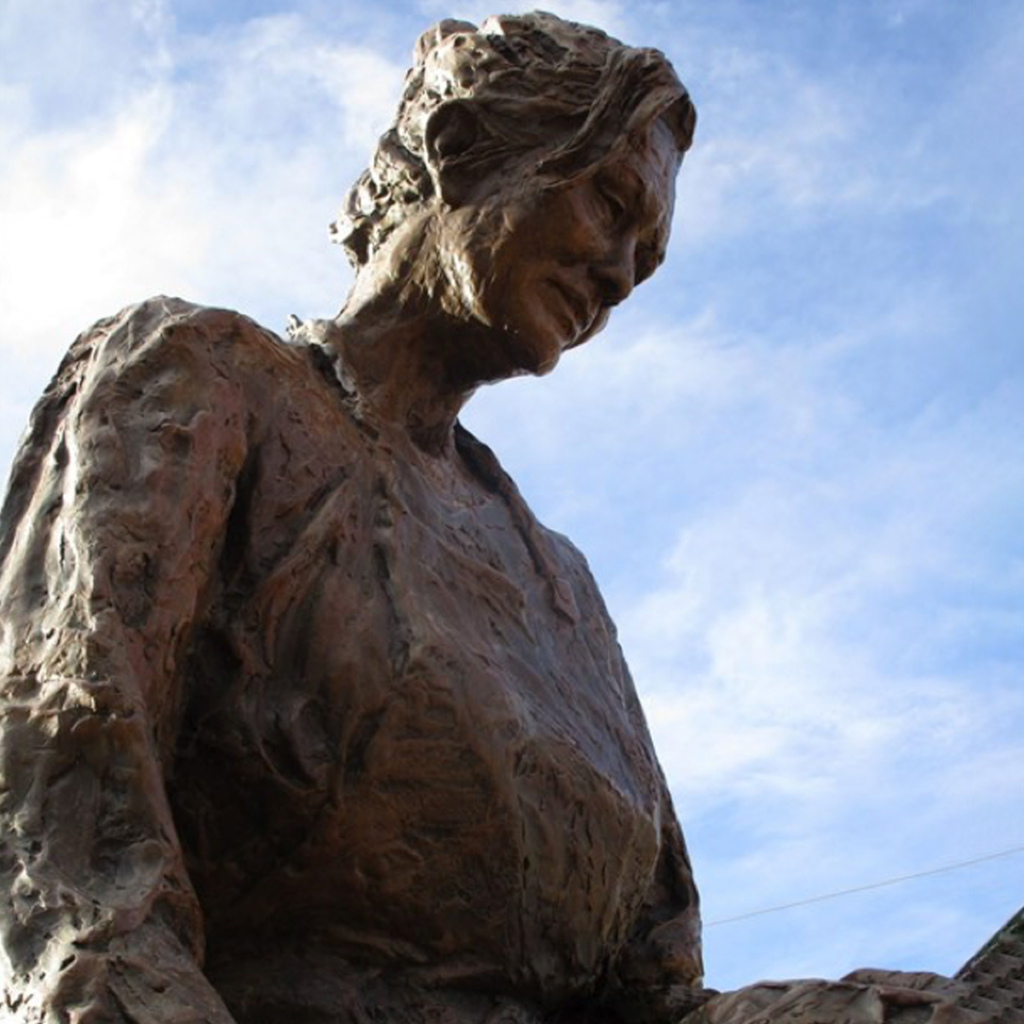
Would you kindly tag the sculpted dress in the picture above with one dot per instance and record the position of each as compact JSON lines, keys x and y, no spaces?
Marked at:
{"x":279,"y":686}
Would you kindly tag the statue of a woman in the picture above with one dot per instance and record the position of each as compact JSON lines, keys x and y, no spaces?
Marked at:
{"x":305,"y":717}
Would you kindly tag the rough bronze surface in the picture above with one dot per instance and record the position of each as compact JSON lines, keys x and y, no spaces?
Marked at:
{"x":289,"y":687}
{"x":303,"y":717}
{"x":994,"y":977}
{"x":863,"y":997}
{"x":988,"y":989}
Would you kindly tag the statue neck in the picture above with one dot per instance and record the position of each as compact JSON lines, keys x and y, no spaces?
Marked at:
{"x":407,"y":346}
{"x":404,"y":362}
{"x":399,"y":379}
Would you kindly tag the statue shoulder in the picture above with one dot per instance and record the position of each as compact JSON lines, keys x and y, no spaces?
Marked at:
{"x":152,"y":364}
{"x":179,"y":353}
{"x":169,"y":326}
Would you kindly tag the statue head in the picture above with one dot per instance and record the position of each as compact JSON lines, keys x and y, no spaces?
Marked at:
{"x":520,"y":94}
{"x":523,"y":152}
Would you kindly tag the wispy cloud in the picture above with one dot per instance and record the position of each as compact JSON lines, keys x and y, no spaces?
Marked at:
{"x":215,"y":181}
{"x":830,"y":646}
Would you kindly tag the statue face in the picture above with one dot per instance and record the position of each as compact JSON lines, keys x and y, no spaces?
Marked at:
{"x":548,"y":264}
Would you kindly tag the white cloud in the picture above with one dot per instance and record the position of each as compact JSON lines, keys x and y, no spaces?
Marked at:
{"x":74,"y":206}
{"x":187,"y":185}
{"x":154,"y":17}
{"x":782,"y":143}
{"x":807,"y":618}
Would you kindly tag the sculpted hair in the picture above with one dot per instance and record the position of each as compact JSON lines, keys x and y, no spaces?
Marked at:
{"x":546,"y":95}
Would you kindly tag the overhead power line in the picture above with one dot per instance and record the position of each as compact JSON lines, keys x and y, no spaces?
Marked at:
{"x":865,"y":888}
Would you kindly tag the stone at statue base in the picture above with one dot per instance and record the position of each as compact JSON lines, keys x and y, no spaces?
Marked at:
{"x":988,"y":989}
{"x":863,"y":997}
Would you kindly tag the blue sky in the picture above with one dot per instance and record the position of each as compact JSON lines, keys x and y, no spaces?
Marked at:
{"x":794,"y":459}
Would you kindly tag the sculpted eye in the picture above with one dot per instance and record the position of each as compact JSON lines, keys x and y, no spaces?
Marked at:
{"x":614,"y":205}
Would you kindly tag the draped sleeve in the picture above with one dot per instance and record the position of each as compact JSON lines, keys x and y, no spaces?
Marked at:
{"x":109,"y":542}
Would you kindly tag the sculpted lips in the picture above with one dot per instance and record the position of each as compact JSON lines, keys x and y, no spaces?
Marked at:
{"x":577,"y":304}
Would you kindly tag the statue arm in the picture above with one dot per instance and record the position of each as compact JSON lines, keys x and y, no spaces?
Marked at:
{"x":108,"y":540}
{"x":658,"y":975}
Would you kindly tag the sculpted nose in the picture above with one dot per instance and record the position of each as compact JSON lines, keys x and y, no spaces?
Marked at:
{"x":615,"y":275}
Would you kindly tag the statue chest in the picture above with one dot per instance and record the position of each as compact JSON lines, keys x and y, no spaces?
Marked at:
{"x":441,"y":751}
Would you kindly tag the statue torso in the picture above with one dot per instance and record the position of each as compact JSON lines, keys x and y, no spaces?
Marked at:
{"x":409,"y":736}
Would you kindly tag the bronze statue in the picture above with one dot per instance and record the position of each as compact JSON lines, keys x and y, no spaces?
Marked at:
{"x":305,"y":718}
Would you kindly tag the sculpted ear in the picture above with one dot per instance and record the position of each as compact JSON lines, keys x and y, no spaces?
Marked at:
{"x":450,"y":133}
